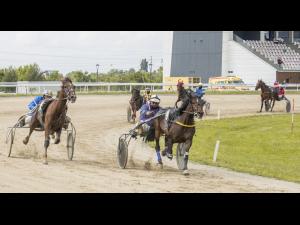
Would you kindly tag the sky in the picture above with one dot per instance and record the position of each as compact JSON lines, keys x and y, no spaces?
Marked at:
{"x":67,"y":51}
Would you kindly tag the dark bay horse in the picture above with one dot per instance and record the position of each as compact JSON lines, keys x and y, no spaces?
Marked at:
{"x":267,"y":95}
{"x":135,"y":102}
{"x":181,"y":130}
{"x":54,"y":115}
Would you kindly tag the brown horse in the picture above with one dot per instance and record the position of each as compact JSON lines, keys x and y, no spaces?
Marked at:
{"x":54,"y":115}
{"x":135,"y":102}
{"x":267,"y":95}
{"x":181,"y":130}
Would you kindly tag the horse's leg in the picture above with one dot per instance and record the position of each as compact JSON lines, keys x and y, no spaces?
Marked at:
{"x":25,"y":141}
{"x":187,"y":145}
{"x":157,"y":146}
{"x":273,"y":104}
{"x":166,"y":146}
{"x":170,"y":148}
{"x":133,"y":115}
{"x":57,"y":139}
{"x":46,"y":143}
{"x":262,"y":103}
{"x":32,"y":127}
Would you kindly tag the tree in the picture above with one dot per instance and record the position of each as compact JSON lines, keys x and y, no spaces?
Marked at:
{"x":144,"y":65}
{"x":9,"y":75}
{"x":78,"y":76}
{"x":31,"y":72}
{"x":54,"y":76}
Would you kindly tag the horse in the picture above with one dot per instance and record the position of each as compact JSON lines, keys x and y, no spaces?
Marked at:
{"x":181,"y":130}
{"x":54,"y":115}
{"x":267,"y":95}
{"x":135,"y":102}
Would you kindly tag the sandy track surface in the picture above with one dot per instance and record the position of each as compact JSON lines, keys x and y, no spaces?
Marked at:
{"x":99,"y":121}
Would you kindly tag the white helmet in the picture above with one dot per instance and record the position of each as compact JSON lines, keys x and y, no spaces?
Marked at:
{"x":47,"y":93}
{"x":155,"y":98}
{"x":200,"y":84}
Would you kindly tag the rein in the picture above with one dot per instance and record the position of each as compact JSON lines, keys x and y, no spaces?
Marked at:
{"x":188,"y":112}
{"x":184,"y":125}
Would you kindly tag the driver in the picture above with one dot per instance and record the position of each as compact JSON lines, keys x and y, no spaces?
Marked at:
{"x":149,"y":110}
{"x":47,"y":95}
{"x":200,"y":92}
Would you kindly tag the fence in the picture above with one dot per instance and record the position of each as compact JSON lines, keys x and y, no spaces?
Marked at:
{"x":39,"y":87}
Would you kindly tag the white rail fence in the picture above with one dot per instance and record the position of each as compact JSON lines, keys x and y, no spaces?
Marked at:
{"x":24,"y":87}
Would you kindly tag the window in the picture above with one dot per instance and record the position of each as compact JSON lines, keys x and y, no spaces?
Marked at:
{"x":196,"y":80}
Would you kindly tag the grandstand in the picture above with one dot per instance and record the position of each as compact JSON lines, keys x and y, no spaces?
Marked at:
{"x":251,"y":55}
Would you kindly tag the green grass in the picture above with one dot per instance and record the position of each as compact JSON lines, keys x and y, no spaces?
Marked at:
{"x":261,"y":145}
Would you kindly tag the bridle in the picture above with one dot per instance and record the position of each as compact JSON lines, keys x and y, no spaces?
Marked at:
{"x":194,"y":111}
{"x":264,"y":88}
{"x":69,"y":92}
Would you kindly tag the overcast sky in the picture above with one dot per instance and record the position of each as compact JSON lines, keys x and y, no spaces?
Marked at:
{"x":81,"y":50}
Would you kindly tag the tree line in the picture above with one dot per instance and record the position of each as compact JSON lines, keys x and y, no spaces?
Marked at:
{"x":33,"y":72}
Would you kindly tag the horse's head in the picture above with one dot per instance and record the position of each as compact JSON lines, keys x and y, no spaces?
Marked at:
{"x":135,"y":94}
{"x":197,"y":107}
{"x":69,"y":89}
{"x":259,"y":84}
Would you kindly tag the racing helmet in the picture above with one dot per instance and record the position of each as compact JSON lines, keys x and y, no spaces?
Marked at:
{"x":155,"y":99}
{"x":47,"y":93}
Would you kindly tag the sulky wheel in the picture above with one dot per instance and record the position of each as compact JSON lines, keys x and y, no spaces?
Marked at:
{"x":288,"y":106}
{"x":122,"y":153}
{"x":10,"y":142}
{"x":180,"y":155}
{"x":70,"y":145}
{"x":207,"y":108}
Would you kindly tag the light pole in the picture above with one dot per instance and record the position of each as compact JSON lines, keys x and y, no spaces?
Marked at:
{"x":150,"y":65}
{"x":97,"y":66}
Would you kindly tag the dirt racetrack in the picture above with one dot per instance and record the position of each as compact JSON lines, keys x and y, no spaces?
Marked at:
{"x":99,"y":121}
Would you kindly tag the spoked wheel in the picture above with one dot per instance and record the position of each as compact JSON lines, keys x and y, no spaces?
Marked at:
{"x":288,"y":106}
{"x":122,"y":153}
{"x":70,"y":145}
{"x":180,"y":156}
{"x":207,"y":108}
{"x":129,"y":114}
{"x":10,"y":142}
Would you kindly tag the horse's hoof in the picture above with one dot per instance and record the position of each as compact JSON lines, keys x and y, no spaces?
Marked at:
{"x":56,"y":142}
{"x":45,"y":163}
{"x":170,"y":156}
{"x":25,"y":142}
{"x":160,"y":165}
{"x":185,"y":173}
{"x":163,"y":153}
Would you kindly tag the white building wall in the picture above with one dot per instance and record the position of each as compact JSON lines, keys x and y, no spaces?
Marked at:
{"x":244,"y":63}
{"x":167,"y":51}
